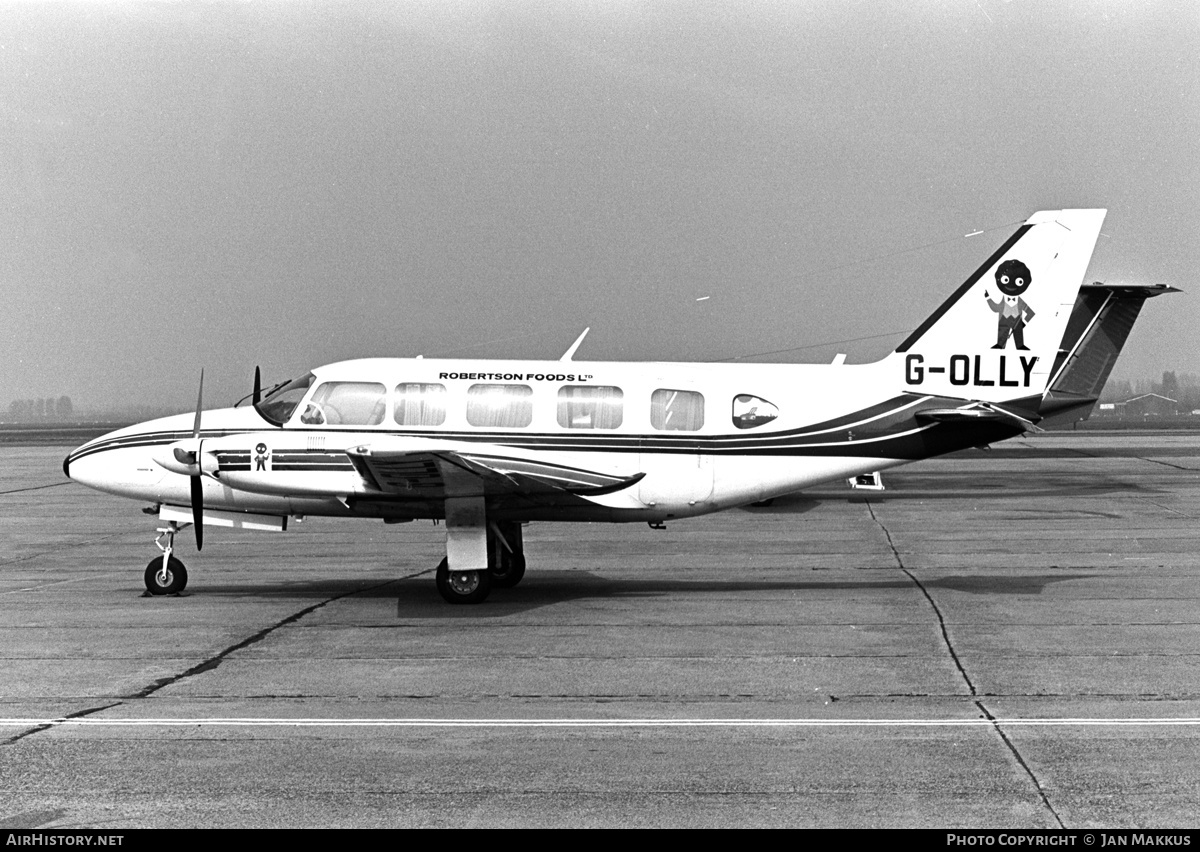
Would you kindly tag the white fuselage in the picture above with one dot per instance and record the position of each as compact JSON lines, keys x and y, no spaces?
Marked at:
{"x":705,"y":436}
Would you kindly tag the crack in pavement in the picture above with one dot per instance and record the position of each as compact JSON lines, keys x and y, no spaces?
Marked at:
{"x":1167,"y":464}
{"x":963,"y":672}
{"x":35,"y":488}
{"x":207,"y":665}
{"x":70,"y":545}
{"x":1089,"y":455}
{"x":1168,"y":508}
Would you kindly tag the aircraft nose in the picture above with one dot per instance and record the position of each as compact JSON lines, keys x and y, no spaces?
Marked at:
{"x":72,"y":456}
{"x":82,"y":468}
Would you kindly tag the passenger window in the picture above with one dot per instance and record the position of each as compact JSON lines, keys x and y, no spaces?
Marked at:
{"x":346,"y":404}
{"x":676,"y":410}
{"x":420,"y":404}
{"x":500,"y":406}
{"x":590,"y":407}
{"x":751,"y":411}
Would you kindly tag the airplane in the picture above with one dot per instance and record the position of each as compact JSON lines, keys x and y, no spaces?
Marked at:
{"x":487,"y":446}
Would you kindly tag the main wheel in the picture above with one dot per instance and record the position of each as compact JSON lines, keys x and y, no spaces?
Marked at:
{"x":510,"y":570}
{"x":462,"y":587}
{"x":165,"y":582}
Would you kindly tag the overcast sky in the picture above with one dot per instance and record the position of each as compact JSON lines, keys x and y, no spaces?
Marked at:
{"x":221,"y":185}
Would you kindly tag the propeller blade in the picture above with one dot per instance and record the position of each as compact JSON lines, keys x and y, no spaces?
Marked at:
{"x":257,"y":398}
{"x":199,"y":406}
{"x":197,"y":485}
{"x":198,"y":510}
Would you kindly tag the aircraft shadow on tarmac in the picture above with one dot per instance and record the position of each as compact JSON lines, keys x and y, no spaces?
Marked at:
{"x":551,"y":588}
{"x":993,"y":489}
{"x":416,"y":598}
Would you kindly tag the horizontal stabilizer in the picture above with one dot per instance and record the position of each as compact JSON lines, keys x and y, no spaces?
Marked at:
{"x":977,"y":412}
{"x":1099,"y":325}
{"x":1097,"y":330}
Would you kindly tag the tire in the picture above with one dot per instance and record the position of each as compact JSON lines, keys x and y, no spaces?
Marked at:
{"x":462,"y":587}
{"x":172,"y":584}
{"x":510,"y":570}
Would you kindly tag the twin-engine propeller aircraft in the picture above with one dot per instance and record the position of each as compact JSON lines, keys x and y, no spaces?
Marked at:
{"x":487,"y":446}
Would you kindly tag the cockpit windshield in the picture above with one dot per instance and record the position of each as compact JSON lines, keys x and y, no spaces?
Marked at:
{"x":278,"y":406}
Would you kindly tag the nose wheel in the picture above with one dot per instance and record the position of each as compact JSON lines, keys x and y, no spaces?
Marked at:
{"x":165,"y":575}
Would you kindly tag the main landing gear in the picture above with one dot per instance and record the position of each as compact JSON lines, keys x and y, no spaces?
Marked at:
{"x":165,"y":575}
{"x":505,"y":567}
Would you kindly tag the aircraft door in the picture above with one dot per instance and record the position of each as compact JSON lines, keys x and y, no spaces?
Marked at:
{"x":677,"y":474}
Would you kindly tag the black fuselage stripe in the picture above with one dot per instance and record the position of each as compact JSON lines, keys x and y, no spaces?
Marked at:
{"x":666,"y":441}
{"x":903,"y":439}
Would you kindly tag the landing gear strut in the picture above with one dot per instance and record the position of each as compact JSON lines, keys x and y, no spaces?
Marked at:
{"x":165,"y":575}
{"x":506,"y":554}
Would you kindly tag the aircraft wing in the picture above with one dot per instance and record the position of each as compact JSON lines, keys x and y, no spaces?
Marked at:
{"x":454,"y":473}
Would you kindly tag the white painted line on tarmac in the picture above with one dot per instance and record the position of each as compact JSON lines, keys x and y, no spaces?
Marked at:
{"x":590,"y":723}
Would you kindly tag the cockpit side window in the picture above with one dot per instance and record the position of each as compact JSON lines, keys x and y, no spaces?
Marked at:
{"x":280,"y":404}
{"x":750,"y":411}
{"x":676,"y":410}
{"x":346,"y":404}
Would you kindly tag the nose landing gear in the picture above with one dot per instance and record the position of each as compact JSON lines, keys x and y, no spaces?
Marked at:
{"x":165,"y":575}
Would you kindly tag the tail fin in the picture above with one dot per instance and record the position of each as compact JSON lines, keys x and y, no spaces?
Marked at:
{"x":1098,"y":328}
{"x":997,"y":338}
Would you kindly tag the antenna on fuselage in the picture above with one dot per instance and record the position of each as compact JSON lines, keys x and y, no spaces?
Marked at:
{"x":567,"y":355}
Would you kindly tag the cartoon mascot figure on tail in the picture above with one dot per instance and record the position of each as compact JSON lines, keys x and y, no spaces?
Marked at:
{"x":1013,"y":279}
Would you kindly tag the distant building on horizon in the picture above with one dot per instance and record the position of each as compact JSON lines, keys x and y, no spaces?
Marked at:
{"x":1146,"y":405}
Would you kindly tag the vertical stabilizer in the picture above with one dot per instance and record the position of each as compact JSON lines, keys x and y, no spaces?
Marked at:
{"x":997,"y":337}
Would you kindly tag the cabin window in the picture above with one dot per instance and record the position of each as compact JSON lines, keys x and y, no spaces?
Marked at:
{"x":500,"y":406}
{"x":590,"y":407}
{"x":676,"y":410}
{"x":346,"y":404}
{"x":420,"y":404}
{"x":752,"y":411}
